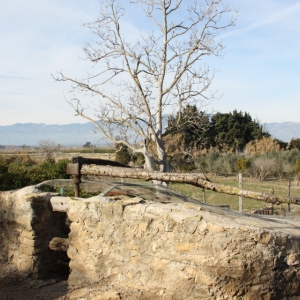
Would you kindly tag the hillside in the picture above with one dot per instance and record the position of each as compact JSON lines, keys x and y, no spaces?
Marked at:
{"x":284,"y":131}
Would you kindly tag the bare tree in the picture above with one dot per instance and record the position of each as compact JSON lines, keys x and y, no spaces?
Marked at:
{"x":263,"y":166}
{"x":48,"y":148}
{"x":139,"y":80}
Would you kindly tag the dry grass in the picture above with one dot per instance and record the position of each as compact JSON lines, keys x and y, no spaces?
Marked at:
{"x":213,"y":198}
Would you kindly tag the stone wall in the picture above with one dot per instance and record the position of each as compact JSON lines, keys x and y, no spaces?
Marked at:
{"x":27,"y":224}
{"x":171,"y":250}
{"x":182,"y":250}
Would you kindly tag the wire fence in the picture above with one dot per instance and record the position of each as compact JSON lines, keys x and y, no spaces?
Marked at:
{"x":285,"y":187}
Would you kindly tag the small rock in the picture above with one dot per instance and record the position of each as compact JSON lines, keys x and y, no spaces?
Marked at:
{"x":293,"y":259}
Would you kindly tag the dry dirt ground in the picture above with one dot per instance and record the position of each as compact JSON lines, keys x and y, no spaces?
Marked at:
{"x":16,"y":286}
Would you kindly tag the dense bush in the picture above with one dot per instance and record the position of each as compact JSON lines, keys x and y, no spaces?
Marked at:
{"x":180,"y":163}
{"x":243,"y":164}
{"x":297,"y":170}
{"x":123,"y":154}
{"x":294,"y":144}
{"x":20,"y":170}
{"x":138,"y":159}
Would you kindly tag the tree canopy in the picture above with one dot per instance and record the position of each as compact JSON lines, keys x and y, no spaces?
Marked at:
{"x":294,"y":144}
{"x":225,"y":131}
{"x":235,"y":129}
{"x":138,"y":78}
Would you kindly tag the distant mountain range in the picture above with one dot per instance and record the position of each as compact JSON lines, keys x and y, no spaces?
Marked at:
{"x":78,"y":134}
{"x":31,"y":134}
{"x":284,"y":131}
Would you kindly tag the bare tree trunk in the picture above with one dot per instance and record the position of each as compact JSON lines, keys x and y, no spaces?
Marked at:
{"x":162,"y":157}
{"x":149,"y":161}
{"x":199,"y":180}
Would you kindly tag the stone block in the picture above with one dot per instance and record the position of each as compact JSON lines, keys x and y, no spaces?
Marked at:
{"x":108,"y":295}
{"x":202,"y":226}
{"x":117,"y":256}
{"x":25,"y":221}
{"x":134,"y":260}
{"x":281,"y":240}
{"x":72,"y":252}
{"x":186,"y":246}
{"x":31,"y":242}
{"x":142,"y":228}
{"x":118,"y":208}
{"x":214,"y":228}
{"x":202,"y":278}
{"x":202,"y":292}
{"x":28,"y":234}
{"x":159,"y":263}
{"x":190,"y":224}
{"x":107,"y":211}
{"x":78,"y":266}
{"x":265,"y":238}
{"x":25,"y":265}
{"x":192,"y":206}
{"x":29,"y":250}
{"x":293,"y":259}
{"x":79,"y":293}
{"x":169,"y":223}
{"x":91,"y":223}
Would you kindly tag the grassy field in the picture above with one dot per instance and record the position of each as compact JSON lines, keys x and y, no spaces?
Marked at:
{"x":65,"y":154}
{"x":102,"y":155}
{"x":213,"y":198}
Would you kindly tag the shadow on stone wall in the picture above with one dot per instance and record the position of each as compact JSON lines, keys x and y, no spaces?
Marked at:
{"x":27,"y":265}
{"x":46,"y":225}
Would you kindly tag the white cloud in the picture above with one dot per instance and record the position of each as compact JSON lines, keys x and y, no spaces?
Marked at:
{"x":41,"y":37}
{"x":266,"y":20}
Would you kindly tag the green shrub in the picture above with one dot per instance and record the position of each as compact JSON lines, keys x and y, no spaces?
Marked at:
{"x":243,"y":164}
{"x":123,"y":154}
{"x":18,"y":171}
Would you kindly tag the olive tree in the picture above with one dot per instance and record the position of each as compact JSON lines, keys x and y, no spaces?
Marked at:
{"x":297,"y":171}
{"x":138,"y":78}
{"x":263,"y":166}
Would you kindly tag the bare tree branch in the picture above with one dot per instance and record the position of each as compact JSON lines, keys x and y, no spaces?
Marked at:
{"x":138,"y":79}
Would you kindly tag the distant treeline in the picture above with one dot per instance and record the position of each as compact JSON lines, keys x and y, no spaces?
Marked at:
{"x":90,"y":150}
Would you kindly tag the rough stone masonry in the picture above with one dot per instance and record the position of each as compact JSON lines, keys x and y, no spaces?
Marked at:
{"x":171,"y":250}
{"x":26,"y":226}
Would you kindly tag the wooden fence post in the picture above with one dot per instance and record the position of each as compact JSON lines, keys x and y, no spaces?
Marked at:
{"x":289,"y":194}
{"x":272,"y":205}
{"x":240,"y":197}
{"x":203,"y":194}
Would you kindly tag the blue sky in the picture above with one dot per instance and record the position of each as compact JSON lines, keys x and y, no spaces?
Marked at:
{"x":259,"y":74}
